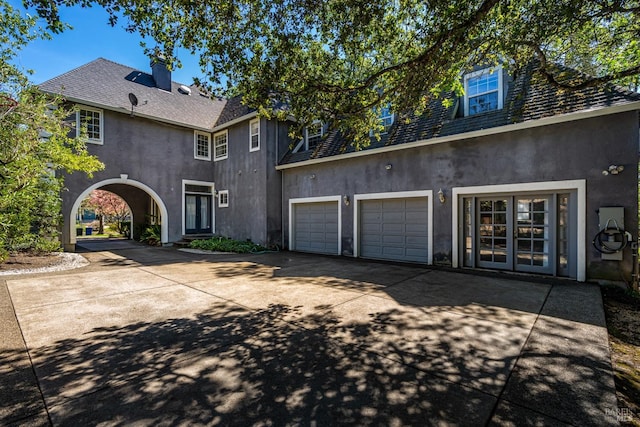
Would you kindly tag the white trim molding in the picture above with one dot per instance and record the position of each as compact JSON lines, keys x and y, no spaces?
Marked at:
{"x":196,"y":134}
{"x":223,"y":198}
{"x":100,"y":112}
{"x":497,"y":71}
{"x":428,"y":194}
{"x":164,"y":214}
{"x":578,"y":185}
{"x":226,"y":145}
{"x":251,"y":134}
{"x":302,"y":200}
{"x":186,"y":182}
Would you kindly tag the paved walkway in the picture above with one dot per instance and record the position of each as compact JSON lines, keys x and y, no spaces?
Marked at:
{"x":150,"y":336}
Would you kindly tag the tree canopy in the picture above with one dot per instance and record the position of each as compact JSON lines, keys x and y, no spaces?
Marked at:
{"x":336,"y":60}
{"x":35,"y":147}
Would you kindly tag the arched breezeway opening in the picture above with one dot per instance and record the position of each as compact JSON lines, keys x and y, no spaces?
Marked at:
{"x":104,"y":212}
{"x":142,"y":201}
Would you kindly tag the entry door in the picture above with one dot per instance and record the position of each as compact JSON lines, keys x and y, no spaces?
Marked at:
{"x":197,"y":214}
{"x":516,"y":233}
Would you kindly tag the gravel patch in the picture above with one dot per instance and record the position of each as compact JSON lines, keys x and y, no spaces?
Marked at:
{"x":66,"y":261}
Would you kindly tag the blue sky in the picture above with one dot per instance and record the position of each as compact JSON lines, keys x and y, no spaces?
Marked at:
{"x":91,"y":37}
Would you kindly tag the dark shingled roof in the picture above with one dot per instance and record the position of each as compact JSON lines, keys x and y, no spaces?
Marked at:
{"x":233,"y":109}
{"x":108,"y":84}
{"x":529,"y":97}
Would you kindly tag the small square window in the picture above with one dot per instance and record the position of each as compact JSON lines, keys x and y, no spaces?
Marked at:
{"x":90,"y":121}
{"x":223,"y":198}
{"x":220,"y":146}
{"x":254,"y":135}
{"x":202,"y":146}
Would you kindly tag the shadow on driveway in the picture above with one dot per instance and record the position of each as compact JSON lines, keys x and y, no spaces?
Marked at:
{"x":293,"y":339}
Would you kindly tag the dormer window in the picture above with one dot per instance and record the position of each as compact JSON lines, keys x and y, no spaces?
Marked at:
{"x":483,"y":91}
{"x":385,"y":118}
{"x":312,"y":135}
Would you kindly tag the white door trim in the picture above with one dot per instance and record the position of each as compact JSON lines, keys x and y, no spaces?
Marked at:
{"x":577,"y":185}
{"x":394,"y":195}
{"x":186,"y":182}
{"x":302,"y":200}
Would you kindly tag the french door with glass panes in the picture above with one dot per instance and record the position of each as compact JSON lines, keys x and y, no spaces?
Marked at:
{"x":520,"y":233}
{"x":197,"y":213}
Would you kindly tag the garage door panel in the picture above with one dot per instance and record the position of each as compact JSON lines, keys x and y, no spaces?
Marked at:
{"x":417,"y":253}
{"x":415,"y":241}
{"x":416,"y":229}
{"x":393,"y":217}
{"x":394,"y":229}
{"x":393,"y":204}
{"x":315,"y":227}
{"x":392,"y":252}
{"x":391,"y":240}
{"x":415,"y":217}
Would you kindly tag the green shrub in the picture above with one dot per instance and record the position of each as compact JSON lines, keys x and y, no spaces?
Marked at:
{"x":152,"y":235}
{"x":224,"y":244}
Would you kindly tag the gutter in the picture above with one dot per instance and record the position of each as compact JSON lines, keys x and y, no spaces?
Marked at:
{"x":561,"y":118}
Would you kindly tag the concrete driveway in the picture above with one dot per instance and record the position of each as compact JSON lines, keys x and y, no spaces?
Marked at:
{"x":156,"y":336}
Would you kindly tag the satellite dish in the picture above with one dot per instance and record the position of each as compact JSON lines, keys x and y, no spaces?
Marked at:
{"x":133,"y":99}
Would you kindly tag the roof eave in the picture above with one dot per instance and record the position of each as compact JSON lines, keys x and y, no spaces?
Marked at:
{"x":235,"y":121}
{"x":124,"y":110}
{"x":561,"y":118}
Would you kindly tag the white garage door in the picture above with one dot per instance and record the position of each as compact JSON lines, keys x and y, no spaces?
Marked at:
{"x":316,"y":227}
{"x":394,"y":229}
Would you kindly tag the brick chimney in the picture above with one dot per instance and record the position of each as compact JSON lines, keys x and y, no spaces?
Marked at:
{"x":161,"y":74}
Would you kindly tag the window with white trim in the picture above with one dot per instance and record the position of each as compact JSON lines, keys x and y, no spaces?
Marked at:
{"x":254,"y":135}
{"x":482,"y":91}
{"x":311,"y":137}
{"x":202,"y":145}
{"x":220,"y":145}
{"x":223,"y":198}
{"x":90,"y":122}
{"x":385,"y":118}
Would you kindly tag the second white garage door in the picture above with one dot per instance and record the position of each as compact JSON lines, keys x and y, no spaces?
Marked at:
{"x":394,"y":229}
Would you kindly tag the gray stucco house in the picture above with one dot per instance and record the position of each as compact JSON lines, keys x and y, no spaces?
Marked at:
{"x":517,"y":175}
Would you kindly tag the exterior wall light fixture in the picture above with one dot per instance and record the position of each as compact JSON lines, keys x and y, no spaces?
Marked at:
{"x":613,"y":170}
{"x":441,"y":196}
{"x":346,"y":200}
{"x":388,"y":166}
{"x":312,"y":176}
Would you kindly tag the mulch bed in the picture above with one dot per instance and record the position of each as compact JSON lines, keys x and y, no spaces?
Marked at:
{"x":623,"y":322}
{"x":23,"y":261}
